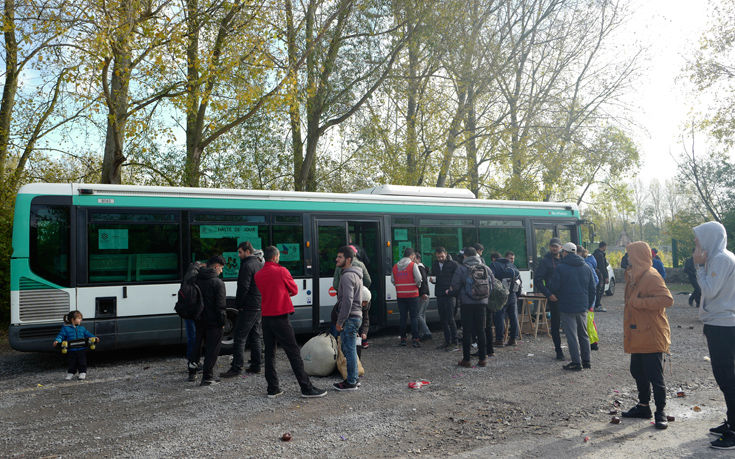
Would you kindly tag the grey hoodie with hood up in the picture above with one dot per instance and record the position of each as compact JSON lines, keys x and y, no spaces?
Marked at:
{"x":402,"y":264}
{"x":349,"y":295}
{"x":716,"y":277}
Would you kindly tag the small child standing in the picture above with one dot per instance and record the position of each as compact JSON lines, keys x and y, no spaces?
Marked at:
{"x":77,"y":355}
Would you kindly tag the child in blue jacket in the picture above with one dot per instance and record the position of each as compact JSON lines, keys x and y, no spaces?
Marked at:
{"x":71,"y":331}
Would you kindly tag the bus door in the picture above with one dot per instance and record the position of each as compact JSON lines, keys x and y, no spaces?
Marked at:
{"x":542,"y":234}
{"x":330,"y":236}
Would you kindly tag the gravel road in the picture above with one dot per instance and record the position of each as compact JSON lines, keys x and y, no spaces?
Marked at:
{"x":522,"y":404}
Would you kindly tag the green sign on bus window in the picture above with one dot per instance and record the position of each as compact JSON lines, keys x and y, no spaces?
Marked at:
{"x":400,"y":234}
{"x":113,"y":239}
{"x":232,"y":264}
{"x":245,"y":233}
{"x":289,"y":251}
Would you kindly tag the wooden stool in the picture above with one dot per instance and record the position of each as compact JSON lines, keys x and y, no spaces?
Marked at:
{"x":529,"y":320}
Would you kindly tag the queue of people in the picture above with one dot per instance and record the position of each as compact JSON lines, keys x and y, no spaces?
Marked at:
{"x":567,"y":275}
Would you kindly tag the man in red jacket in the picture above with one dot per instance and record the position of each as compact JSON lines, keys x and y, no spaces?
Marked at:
{"x":276,"y":287}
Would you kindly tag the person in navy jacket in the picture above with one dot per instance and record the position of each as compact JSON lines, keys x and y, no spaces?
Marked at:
{"x":71,"y":331}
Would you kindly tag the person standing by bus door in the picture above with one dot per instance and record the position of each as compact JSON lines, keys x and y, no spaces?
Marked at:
{"x":424,"y":332}
{"x":442,"y":271}
{"x":247,"y":302}
{"x":349,"y":314}
{"x":211,"y":323}
{"x":276,"y":286}
{"x":541,"y":278}
{"x":407,"y":278}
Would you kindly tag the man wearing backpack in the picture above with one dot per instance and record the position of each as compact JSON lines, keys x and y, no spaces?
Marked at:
{"x":506,"y":271}
{"x":247,"y":301}
{"x":211,"y":322}
{"x":574,"y":284}
{"x":471,"y":282}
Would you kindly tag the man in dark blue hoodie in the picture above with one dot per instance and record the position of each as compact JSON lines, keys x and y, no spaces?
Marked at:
{"x":574,"y":286}
{"x":542,"y":274}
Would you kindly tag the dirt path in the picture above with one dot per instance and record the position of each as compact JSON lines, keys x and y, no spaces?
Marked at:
{"x":522,"y":404}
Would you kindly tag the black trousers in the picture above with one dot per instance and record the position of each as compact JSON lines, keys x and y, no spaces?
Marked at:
{"x":721,"y":344}
{"x":489,"y":332}
{"x":247,"y":331}
{"x":600,"y":293}
{"x":211,"y":337}
{"x":648,"y":370}
{"x":553,"y":306}
{"x":446,"y":305}
{"x":277,"y":329}
{"x":473,"y":324}
{"x":77,"y":361}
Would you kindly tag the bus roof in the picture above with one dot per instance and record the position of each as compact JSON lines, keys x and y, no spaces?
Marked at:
{"x":86,"y":189}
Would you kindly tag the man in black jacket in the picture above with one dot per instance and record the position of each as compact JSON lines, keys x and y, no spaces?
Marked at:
{"x":442,"y":271}
{"x":601,"y":259}
{"x":541,"y":278}
{"x":691,"y":272}
{"x":247,"y":301}
{"x":212,"y":320}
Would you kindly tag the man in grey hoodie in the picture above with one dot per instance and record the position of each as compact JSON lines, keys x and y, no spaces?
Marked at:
{"x":349,"y":313}
{"x":716,"y":276}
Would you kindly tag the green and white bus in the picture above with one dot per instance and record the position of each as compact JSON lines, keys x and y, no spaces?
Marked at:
{"x":117,"y":253}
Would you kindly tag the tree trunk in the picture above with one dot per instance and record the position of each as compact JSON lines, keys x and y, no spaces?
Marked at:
{"x":193,"y":134}
{"x":412,"y":105}
{"x":116,"y":95}
{"x":294,"y":107}
{"x":451,"y":143}
{"x":471,"y":146}
{"x":116,"y":118}
{"x":11,"y":83}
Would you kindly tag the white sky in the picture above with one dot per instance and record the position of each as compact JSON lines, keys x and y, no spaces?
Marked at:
{"x":662,"y":98}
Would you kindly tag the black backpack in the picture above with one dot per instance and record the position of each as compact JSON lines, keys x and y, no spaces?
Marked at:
{"x":190,"y":303}
{"x":477,"y":286}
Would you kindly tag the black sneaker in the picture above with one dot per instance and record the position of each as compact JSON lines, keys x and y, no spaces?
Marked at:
{"x":416,"y":343}
{"x":403,"y":342}
{"x":253,"y":370}
{"x":586,"y":365}
{"x":559,"y":355}
{"x":313,"y":392}
{"x":344,"y":386}
{"x":600,"y":309}
{"x":274,"y":393}
{"x":726,"y":441}
{"x":638,"y":411}
{"x":209,"y":382}
{"x":572,"y":366}
{"x":594,"y":347}
{"x":231,"y":373}
{"x":192,"y":376}
{"x":720,"y":430}
{"x":660,"y":420}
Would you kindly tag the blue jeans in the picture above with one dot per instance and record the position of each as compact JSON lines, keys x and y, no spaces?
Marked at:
{"x":349,"y":341}
{"x":191,"y":338}
{"x":406,"y":306}
{"x":424,"y":331}
{"x":499,"y":317}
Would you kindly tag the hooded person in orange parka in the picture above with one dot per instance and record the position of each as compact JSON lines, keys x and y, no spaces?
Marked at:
{"x":646,"y":333}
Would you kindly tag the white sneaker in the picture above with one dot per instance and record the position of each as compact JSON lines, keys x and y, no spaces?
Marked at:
{"x":69,"y":376}
{"x":82,"y":376}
